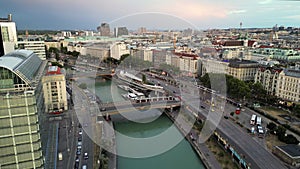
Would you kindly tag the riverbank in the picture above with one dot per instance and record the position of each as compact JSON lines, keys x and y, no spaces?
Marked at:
{"x":202,"y":150}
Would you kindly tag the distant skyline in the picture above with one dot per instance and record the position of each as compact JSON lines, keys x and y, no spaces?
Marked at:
{"x":154,"y":14}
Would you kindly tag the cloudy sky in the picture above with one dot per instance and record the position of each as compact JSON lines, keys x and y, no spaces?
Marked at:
{"x":153,"y":14}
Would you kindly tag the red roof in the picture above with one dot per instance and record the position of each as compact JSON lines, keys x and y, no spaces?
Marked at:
{"x":53,"y":70}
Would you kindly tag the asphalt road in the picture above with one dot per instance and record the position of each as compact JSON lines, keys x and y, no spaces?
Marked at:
{"x":255,"y":153}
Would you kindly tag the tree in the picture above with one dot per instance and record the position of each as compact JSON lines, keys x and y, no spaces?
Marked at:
{"x":290,"y":139}
{"x":144,"y":79}
{"x":296,"y":110}
{"x":272,"y":126}
{"x":83,"y":86}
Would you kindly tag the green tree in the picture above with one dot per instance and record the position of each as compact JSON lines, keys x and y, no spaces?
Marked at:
{"x":83,"y":86}
{"x":290,"y":139}
{"x":144,"y":79}
{"x":296,"y":110}
{"x":272,"y":126}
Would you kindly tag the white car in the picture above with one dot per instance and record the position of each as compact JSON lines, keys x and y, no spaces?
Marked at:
{"x":79,"y":143}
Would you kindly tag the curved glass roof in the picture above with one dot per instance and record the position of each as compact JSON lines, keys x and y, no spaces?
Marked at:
{"x":23,"y":63}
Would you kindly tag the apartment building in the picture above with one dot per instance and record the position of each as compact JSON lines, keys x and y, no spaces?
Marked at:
{"x":54,"y":89}
{"x":21,"y":104}
{"x":268,"y":77}
{"x":288,"y":87}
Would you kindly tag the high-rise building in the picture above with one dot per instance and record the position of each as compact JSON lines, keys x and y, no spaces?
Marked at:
{"x":8,"y":35}
{"x":104,"y":29}
{"x":21,"y":104}
{"x":38,"y":47}
{"x":54,"y":89}
{"x":119,"y":31}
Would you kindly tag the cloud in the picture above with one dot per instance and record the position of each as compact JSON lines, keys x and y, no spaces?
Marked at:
{"x":237,"y":11}
{"x":195,"y":10}
{"x":297,"y":17}
{"x":265,"y":2}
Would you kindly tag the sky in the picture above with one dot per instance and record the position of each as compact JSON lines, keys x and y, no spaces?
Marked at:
{"x":152,"y":14}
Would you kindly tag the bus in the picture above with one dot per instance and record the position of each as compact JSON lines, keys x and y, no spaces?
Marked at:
{"x":253,"y":119}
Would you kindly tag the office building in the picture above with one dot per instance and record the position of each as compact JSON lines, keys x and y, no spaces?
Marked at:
{"x":54,"y":89}
{"x":38,"y":47}
{"x":119,"y":31}
{"x":21,"y":103}
{"x":8,"y":35}
{"x":244,"y":70}
{"x":104,"y":29}
{"x":118,"y":49}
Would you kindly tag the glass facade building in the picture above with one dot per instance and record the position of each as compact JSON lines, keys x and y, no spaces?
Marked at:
{"x":21,"y":102}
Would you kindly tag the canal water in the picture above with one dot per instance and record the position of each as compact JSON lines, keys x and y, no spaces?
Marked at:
{"x":181,"y":156}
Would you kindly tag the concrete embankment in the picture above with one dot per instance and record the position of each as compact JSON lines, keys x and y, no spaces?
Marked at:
{"x":202,"y":150}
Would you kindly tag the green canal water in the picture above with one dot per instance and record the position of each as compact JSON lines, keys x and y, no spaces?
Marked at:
{"x":181,"y":156}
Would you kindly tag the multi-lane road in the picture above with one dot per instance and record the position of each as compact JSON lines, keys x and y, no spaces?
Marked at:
{"x":254,"y":152}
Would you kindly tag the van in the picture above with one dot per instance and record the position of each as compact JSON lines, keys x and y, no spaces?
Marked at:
{"x":60,"y":156}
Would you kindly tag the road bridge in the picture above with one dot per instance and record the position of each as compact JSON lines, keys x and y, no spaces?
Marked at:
{"x":127,"y":106}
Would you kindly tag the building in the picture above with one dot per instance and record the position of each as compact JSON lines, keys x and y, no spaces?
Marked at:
{"x":21,"y":104}
{"x":289,"y":153}
{"x":8,"y":35}
{"x":144,"y":54}
{"x":288,"y":87}
{"x":38,"y":47}
{"x":244,"y":70}
{"x":104,"y":29}
{"x":118,"y":49}
{"x":268,"y":77}
{"x":54,"y":89}
{"x":212,"y":66}
{"x":286,"y":55}
{"x":187,"y":63}
{"x":119,"y":31}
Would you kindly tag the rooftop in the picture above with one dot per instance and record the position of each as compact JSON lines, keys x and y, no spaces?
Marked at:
{"x":23,"y":63}
{"x":291,"y":150}
{"x":242,"y":63}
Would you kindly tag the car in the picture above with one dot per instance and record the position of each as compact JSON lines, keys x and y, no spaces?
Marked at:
{"x":78,"y":152}
{"x":84,"y":166}
{"x":80,"y":132}
{"x":77,"y":159}
{"x":79,"y":143}
{"x":80,"y":138}
{"x":103,"y":109}
{"x":202,"y":107}
{"x":85,"y":155}
{"x":76,"y":165}
{"x":79,"y":147}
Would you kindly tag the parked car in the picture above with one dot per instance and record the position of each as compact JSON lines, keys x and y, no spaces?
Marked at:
{"x":85,"y":156}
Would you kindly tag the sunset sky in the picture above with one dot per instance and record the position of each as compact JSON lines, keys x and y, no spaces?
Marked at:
{"x":153,"y":14}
